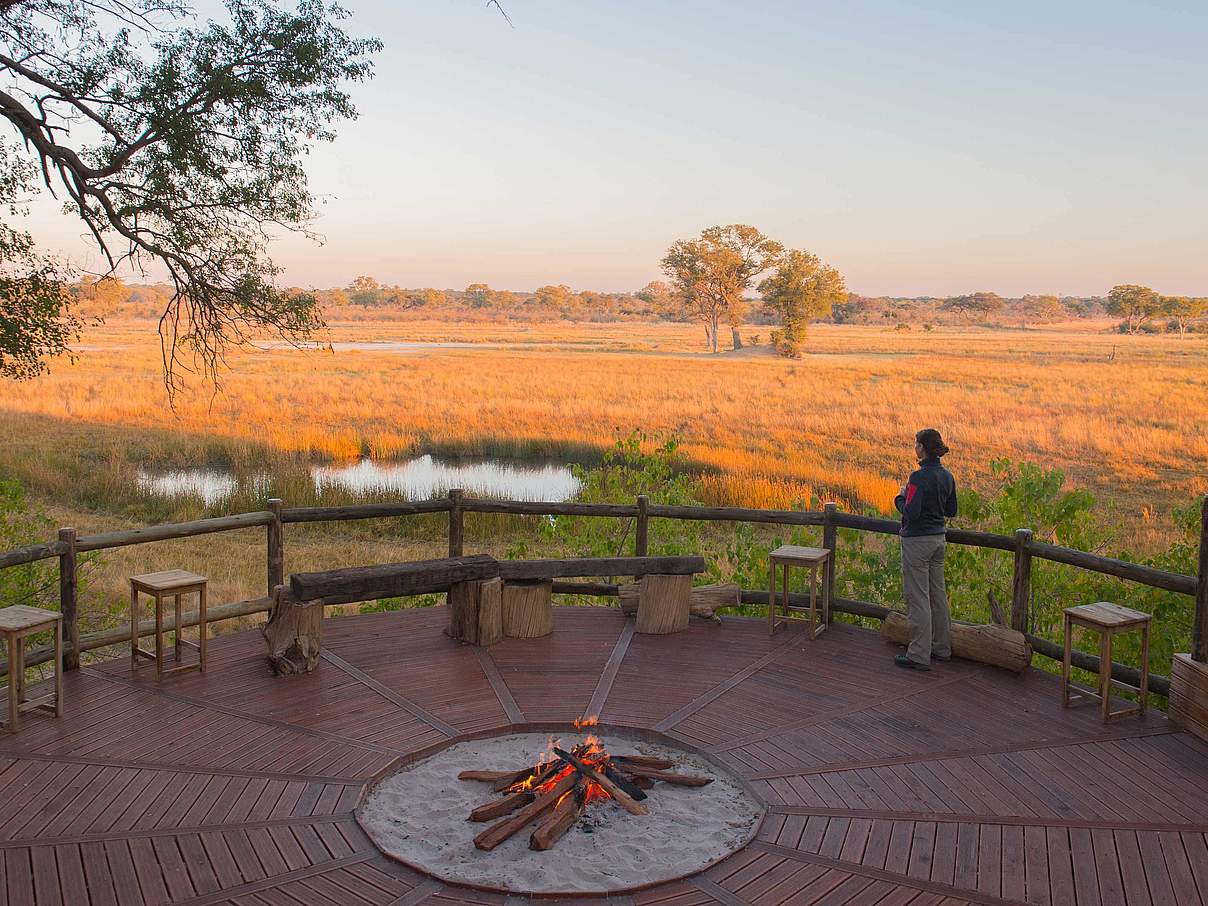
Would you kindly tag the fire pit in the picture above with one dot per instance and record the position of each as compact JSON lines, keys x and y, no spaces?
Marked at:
{"x":587,"y":811}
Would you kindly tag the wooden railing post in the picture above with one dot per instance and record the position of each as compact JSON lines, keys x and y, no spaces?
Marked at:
{"x":69,"y":600}
{"x":276,"y":546}
{"x":641,"y":535}
{"x":456,"y":524}
{"x":1199,"y":629}
{"x":830,"y":538}
{"x":1021,"y":584}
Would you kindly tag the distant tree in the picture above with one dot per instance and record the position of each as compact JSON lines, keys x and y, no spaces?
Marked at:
{"x":711,"y":275}
{"x":434,"y":298}
{"x":560,"y":298}
{"x":1135,"y":304}
{"x":479,"y":295}
{"x":661,"y":298}
{"x":100,"y":298}
{"x":364,"y":291}
{"x":178,"y":143}
{"x":983,"y":304}
{"x":802,"y":289}
{"x":337,"y":297}
{"x":1184,"y":310}
{"x":1040,"y":308}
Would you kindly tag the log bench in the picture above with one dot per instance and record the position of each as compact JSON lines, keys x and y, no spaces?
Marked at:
{"x":488,"y":598}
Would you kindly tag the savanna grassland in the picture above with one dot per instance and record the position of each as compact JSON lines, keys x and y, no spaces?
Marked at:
{"x":1125,"y":417}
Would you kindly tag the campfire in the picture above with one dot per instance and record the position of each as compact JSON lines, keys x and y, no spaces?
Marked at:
{"x":557,"y":790}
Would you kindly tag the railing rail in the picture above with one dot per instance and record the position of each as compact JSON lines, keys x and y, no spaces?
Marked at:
{"x":1022,"y":546}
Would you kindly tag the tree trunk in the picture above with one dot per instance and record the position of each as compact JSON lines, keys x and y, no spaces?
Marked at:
{"x":704,"y":600}
{"x":664,"y":603}
{"x":736,"y":337}
{"x":293,"y":633}
{"x":713,"y":325}
{"x":476,"y":611}
{"x":528,"y":609}
{"x":994,"y":645}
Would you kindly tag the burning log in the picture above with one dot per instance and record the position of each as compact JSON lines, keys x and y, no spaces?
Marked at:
{"x":622,"y":798}
{"x":501,"y":831}
{"x":561,"y":819}
{"x":624,"y":781}
{"x":501,"y":807}
{"x":670,"y":777}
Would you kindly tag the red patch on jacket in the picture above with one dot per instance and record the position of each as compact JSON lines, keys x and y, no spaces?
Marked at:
{"x":911,"y":490}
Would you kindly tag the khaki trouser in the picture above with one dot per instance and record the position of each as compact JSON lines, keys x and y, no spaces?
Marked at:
{"x":926,"y":598}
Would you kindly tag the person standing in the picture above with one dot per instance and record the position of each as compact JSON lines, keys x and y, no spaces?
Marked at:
{"x":927,"y":499}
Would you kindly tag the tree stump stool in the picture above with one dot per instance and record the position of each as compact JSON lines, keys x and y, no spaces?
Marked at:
{"x":1109,"y":620}
{"x":293,"y":633}
{"x":664,"y":603}
{"x":528,"y":609}
{"x":16,"y":624}
{"x":814,"y":559}
{"x":476,"y":611}
{"x":170,"y":583}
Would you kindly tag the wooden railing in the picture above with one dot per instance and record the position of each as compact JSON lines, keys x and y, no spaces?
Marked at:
{"x":1022,"y":546}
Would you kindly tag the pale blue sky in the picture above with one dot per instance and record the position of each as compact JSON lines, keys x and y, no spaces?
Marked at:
{"x":924,"y":147}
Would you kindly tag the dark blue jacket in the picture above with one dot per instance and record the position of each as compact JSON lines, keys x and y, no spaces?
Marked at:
{"x":928,"y":497}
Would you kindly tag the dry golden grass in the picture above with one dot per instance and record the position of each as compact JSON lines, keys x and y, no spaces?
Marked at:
{"x":1124,"y":416}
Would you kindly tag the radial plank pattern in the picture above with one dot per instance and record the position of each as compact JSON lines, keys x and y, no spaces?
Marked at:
{"x":966,"y":784}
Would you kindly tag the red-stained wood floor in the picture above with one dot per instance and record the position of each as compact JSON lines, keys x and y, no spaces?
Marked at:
{"x":965,"y":784}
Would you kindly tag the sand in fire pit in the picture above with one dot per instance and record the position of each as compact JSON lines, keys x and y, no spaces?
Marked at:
{"x":419,"y":815}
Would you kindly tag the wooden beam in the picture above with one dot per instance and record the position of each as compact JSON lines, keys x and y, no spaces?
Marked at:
{"x":362,"y":511}
{"x":457,"y":524}
{"x":108,"y":540}
{"x":1136,"y":572}
{"x":275,"y":547}
{"x":69,"y":599}
{"x":369,"y":583}
{"x":1021,"y":583}
{"x":517,"y":570}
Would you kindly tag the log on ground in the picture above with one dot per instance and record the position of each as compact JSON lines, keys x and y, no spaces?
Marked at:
{"x":998,"y":646}
{"x":391,"y":580}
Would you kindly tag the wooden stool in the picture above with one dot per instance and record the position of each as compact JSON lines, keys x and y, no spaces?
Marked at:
{"x":1109,"y":620}
{"x":16,"y":623}
{"x":171,"y":583}
{"x":815,"y":559}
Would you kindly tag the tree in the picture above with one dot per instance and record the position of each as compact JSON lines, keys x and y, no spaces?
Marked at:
{"x":661,"y":299}
{"x":1135,"y":304}
{"x":479,"y":295}
{"x":710,"y":275}
{"x":1040,"y":308}
{"x":100,"y":298}
{"x":802,"y":288}
{"x":1183,"y":310}
{"x":556,"y":299}
{"x":983,"y":303}
{"x":181,"y":144}
{"x":364,"y":291}
{"x":36,"y":317}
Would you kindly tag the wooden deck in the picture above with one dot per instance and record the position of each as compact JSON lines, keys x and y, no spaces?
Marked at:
{"x":884,"y":786}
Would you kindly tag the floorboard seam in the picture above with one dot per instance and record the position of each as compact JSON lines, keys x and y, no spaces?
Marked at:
{"x":502,"y":692}
{"x":706,"y":698}
{"x":1005,"y":820}
{"x":298,"y":874}
{"x":418,"y":894}
{"x":922,"y":757}
{"x":246,"y":715}
{"x":102,"y":836}
{"x":171,"y":768}
{"x":715,"y":890}
{"x":390,"y":695}
{"x":599,"y":697}
{"x":881,"y":874}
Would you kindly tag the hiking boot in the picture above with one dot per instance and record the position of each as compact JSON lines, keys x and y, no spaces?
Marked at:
{"x":903,"y":661}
